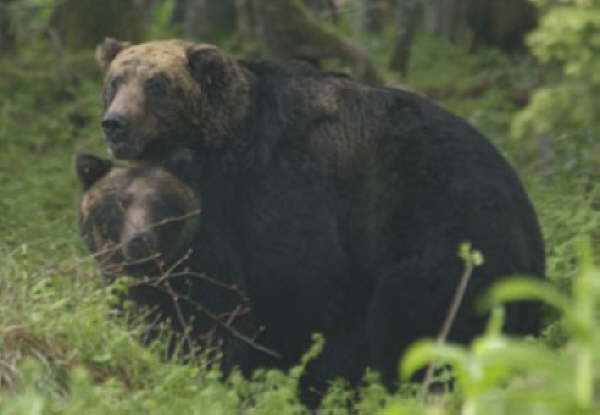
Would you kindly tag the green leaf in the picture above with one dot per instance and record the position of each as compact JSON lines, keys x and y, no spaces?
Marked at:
{"x":399,"y":408}
{"x":525,"y":288}
{"x":425,"y":352}
{"x":504,"y":357}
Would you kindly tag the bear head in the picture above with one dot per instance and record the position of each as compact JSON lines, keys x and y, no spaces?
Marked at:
{"x":136,"y":220}
{"x":162,"y":94}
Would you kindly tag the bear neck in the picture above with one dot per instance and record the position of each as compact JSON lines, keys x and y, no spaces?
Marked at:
{"x":270,"y":116}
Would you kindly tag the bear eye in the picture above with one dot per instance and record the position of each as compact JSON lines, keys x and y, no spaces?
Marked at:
{"x":112,"y":87}
{"x":156,"y":85}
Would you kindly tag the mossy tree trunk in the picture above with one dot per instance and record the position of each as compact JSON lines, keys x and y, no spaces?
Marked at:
{"x":8,"y":38}
{"x":249,"y":31}
{"x":447,"y":18}
{"x":502,"y":24}
{"x":209,"y":20}
{"x":372,"y":16}
{"x":291,"y":32}
{"x":408,"y":16}
{"x":82,"y":24}
{"x":178,"y":12}
{"x":323,"y":8}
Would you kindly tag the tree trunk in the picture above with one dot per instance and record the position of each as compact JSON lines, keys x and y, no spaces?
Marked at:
{"x":371,"y":16}
{"x":447,"y":18}
{"x":292,"y":33}
{"x":8,"y":39}
{"x":322,"y":8}
{"x":209,"y":20}
{"x":408,"y":16}
{"x":501,"y":23}
{"x":248,"y":29}
{"x":178,"y":13}
{"x":82,"y":24}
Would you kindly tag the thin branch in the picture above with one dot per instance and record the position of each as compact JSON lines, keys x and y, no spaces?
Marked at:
{"x":450,"y":317}
{"x":162,"y":282}
{"x":239,"y":335}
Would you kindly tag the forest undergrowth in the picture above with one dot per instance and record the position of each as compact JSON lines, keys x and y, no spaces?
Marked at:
{"x":62,"y":351}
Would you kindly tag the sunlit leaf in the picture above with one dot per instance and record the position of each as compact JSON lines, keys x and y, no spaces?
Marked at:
{"x":423,"y":353}
{"x":524,"y":288}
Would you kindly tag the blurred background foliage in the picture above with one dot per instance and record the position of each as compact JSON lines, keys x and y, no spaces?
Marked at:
{"x":526,"y":73}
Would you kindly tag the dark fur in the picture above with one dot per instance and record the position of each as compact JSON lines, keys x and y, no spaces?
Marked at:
{"x":176,"y":283}
{"x":345,"y":206}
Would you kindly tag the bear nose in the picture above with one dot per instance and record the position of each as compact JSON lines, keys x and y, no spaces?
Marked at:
{"x":114,"y":125}
{"x":140,"y":247}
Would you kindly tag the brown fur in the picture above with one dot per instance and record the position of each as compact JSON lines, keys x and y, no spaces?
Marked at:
{"x":136,"y":216}
{"x":90,"y":198}
{"x":185,"y":110}
{"x":107,"y":50}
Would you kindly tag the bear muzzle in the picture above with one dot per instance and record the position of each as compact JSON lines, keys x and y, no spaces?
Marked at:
{"x":118,"y":134}
{"x":115,"y":126}
{"x":141,"y":247}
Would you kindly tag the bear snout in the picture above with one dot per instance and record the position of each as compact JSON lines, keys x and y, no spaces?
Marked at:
{"x":141,"y":247}
{"x":117,"y":131}
{"x":116,"y":126}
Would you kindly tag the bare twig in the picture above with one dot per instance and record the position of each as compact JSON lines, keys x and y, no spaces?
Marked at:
{"x":233,"y":287}
{"x":234,"y":332}
{"x":161,"y":281}
{"x":184,"y":324}
{"x":450,"y":316}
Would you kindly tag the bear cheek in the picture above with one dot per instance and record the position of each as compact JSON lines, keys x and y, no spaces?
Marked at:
{"x":147,"y":129}
{"x":105,"y":251}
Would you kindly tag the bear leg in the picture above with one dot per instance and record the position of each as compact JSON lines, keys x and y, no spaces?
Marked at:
{"x":410,"y":302}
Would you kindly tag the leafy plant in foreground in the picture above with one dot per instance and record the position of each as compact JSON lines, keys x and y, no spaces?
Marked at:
{"x":499,"y":374}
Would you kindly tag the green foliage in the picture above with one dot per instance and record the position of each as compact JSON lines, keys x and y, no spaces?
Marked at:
{"x":64,"y":351}
{"x":564,"y":111}
{"x":160,"y":26}
{"x":500,"y":374}
{"x":486,"y":88}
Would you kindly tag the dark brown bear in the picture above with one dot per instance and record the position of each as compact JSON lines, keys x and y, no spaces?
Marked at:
{"x":181,"y":243}
{"x":135,"y":217}
{"x":145,"y":222}
{"x":345,"y":204}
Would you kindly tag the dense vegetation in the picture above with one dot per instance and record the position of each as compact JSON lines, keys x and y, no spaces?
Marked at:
{"x":62,"y":351}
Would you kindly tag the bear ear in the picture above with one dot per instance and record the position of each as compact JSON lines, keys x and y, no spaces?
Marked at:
{"x":182,"y":162}
{"x":107,"y":50}
{"x":90,"y":169}
{"x":206,"y":62}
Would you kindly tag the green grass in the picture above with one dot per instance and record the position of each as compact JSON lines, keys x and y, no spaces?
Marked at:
{"x":62,"y":351}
